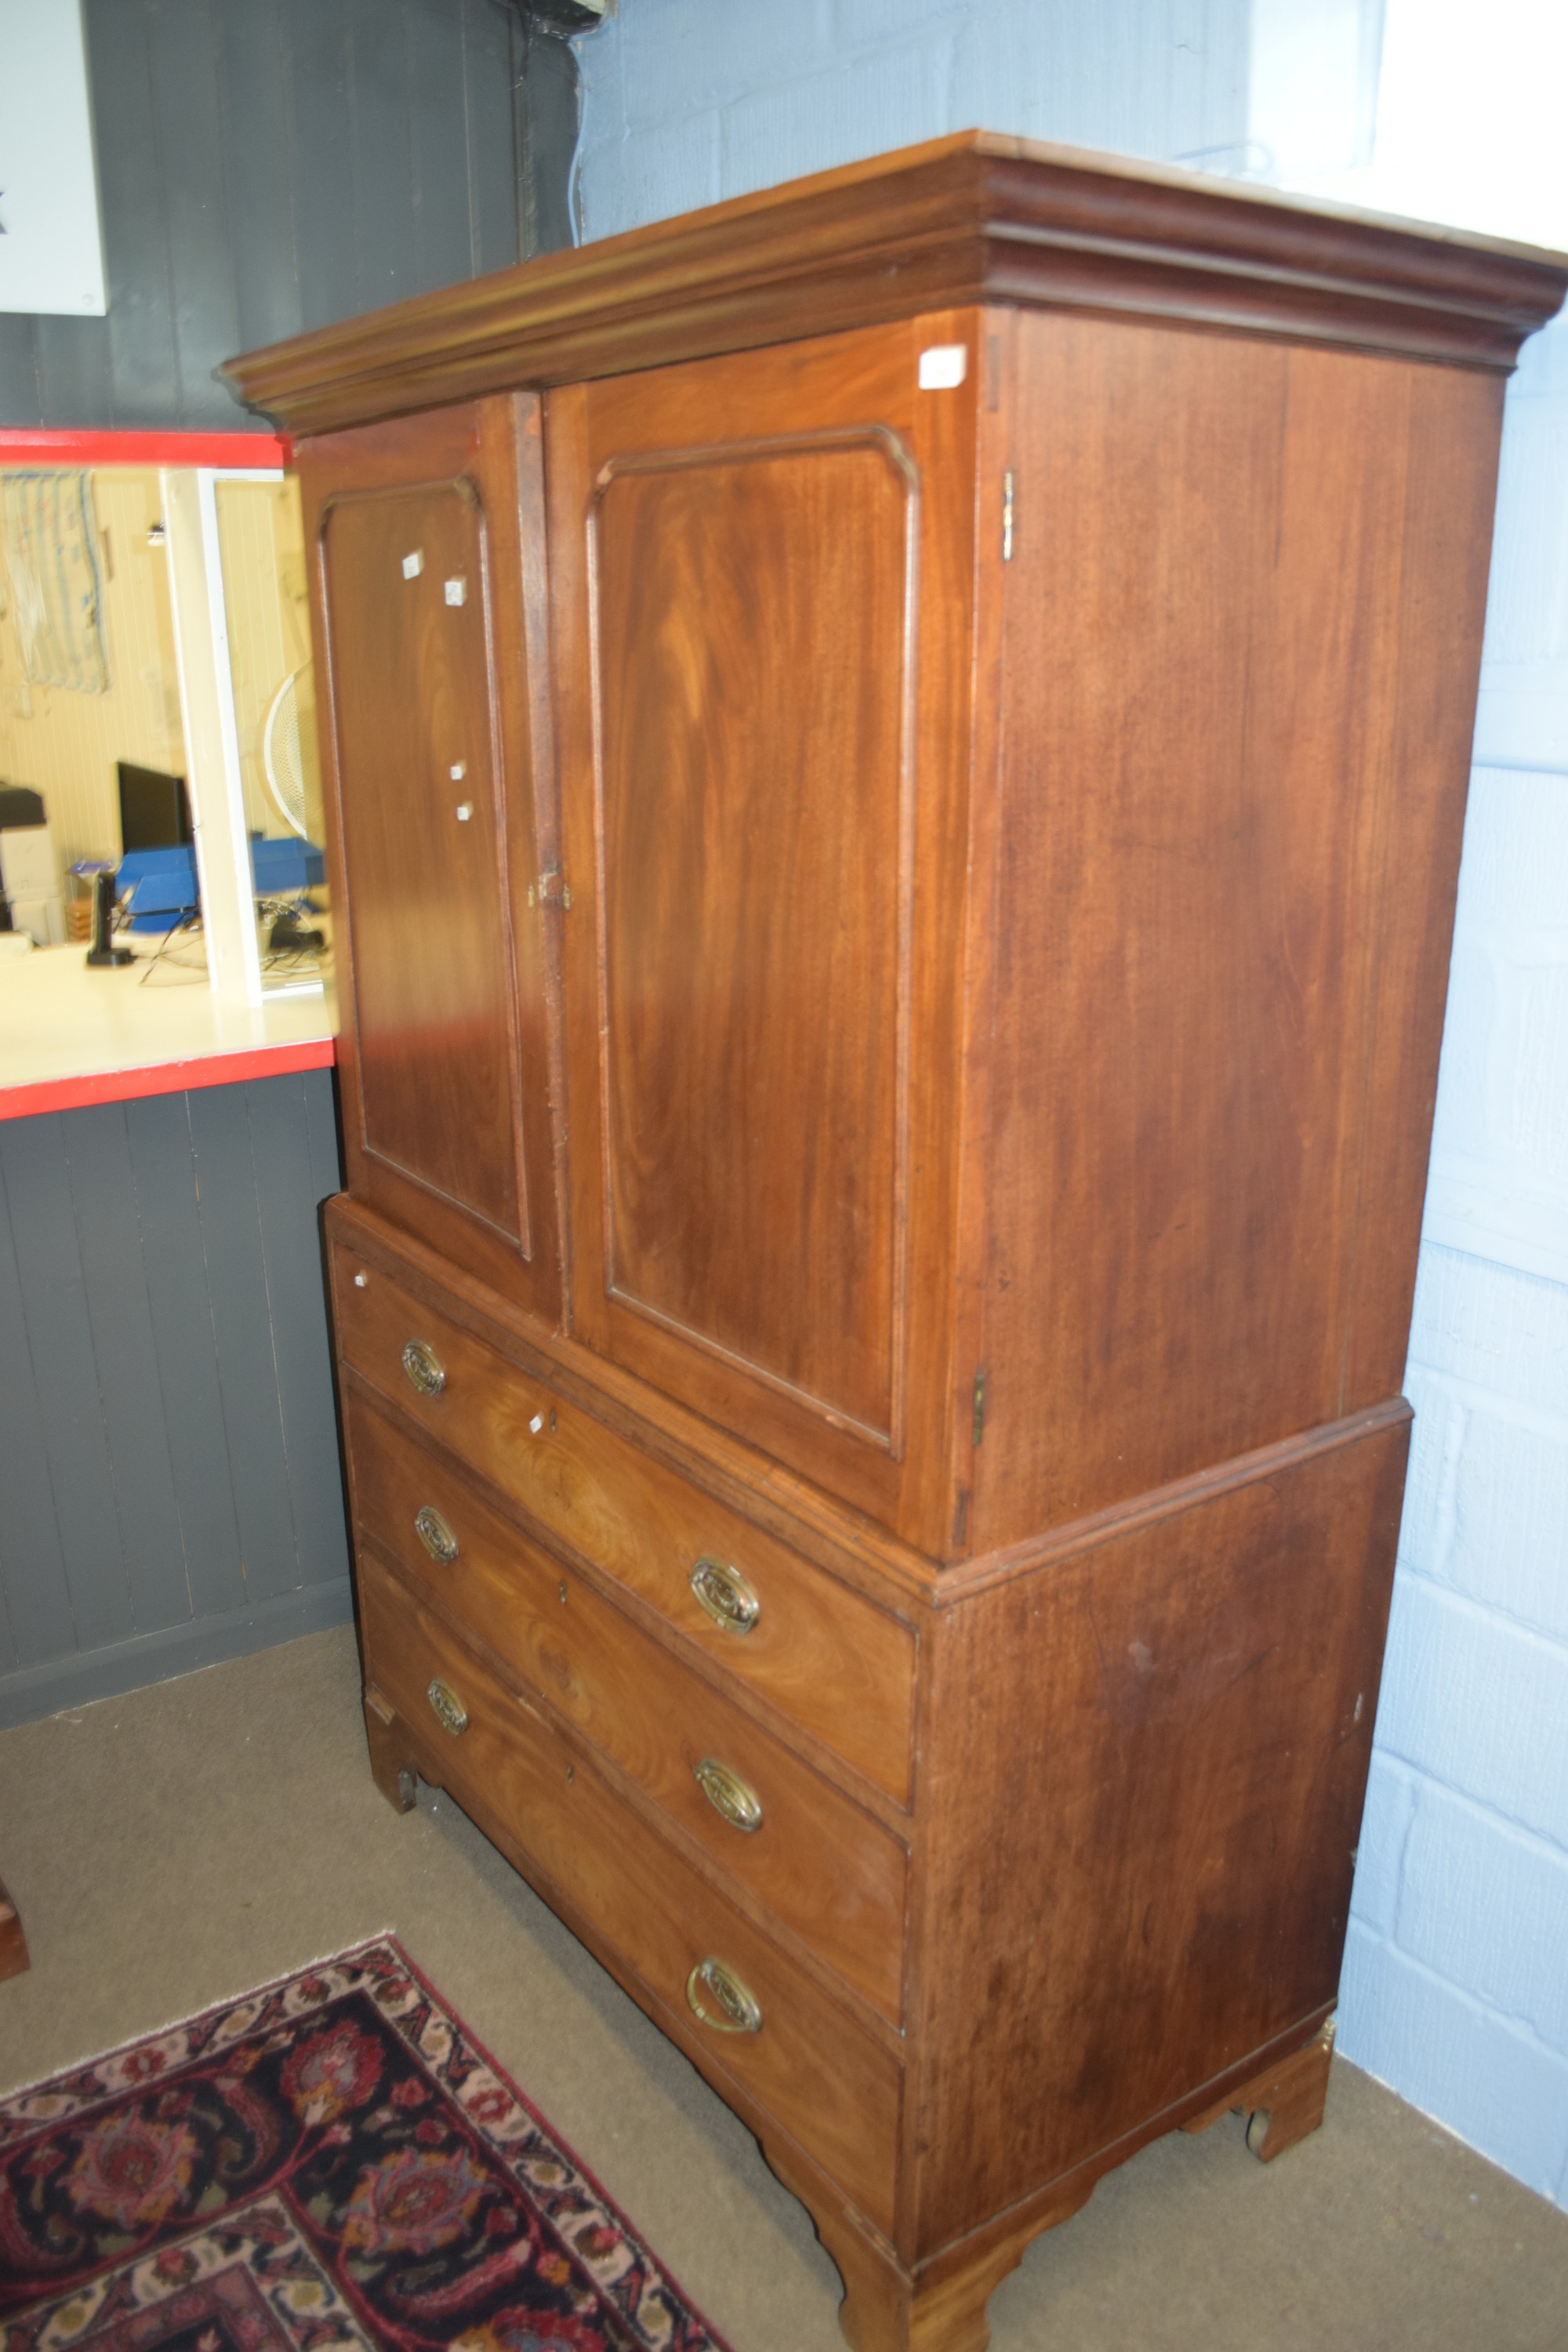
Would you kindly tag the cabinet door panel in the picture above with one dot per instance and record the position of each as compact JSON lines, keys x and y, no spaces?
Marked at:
{"x":763,"y":600}
{"x":438,"y":1058}
{"x":425,"y":608}
{"x":754,"y":903}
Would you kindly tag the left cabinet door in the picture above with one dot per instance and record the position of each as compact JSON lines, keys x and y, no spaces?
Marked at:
{"x":428,"y":595}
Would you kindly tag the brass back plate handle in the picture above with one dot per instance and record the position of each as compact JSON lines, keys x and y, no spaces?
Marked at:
{"x":449,"y":1710}
{"x":436,"y":1534}
{"x":718,"y":1999}
{"x":728,"y":1597}
{"x":423,"y":1368}
{"x":733,"y":1799}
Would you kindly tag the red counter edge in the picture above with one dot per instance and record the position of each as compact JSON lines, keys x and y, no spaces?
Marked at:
{"x":166,"y":1078}
{"x":64,"y":446}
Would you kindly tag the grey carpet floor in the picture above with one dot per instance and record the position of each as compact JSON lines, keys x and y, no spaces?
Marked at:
{"x":190,"y":1841}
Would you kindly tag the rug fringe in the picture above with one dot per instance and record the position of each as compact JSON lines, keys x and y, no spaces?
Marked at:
{"x":198,"y":2016}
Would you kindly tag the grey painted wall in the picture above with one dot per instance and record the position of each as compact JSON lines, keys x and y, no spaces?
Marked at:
{"x":170,"y":1488}
{"x":270,"y":165}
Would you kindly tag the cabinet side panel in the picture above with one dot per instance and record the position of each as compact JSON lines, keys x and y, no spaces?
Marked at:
{"x":1150,"y":1761}
{"x":1456,"y":424}
{"x":1230,"y":751}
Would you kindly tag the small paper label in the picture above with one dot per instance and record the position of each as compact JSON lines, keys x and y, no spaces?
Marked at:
{"x":943,"y":366}
{"x":456,"y":592}
{"x":413,"y":566}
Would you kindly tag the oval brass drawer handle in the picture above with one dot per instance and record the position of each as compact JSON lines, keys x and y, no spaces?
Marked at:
{"x":726,"y":1595}
{"x":424,"y":1368}
{"x":735,"y":1800}
{"x":450,"y":1712}
{"x":436,"y":1534}
{"x":716,"y":1995}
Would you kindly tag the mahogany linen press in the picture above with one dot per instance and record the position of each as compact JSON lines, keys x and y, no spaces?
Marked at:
{"x":895,"y":753}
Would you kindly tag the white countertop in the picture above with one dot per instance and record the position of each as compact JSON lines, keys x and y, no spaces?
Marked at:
{"x":64,"y":1027}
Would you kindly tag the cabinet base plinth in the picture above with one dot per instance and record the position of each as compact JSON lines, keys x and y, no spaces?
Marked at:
{"x":940,"y":2306}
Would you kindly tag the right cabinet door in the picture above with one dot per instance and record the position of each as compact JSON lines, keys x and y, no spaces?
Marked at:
{"x":762,"y":600}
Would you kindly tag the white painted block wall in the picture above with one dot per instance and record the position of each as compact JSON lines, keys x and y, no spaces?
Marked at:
{"x":687,"y":101}
{"x":1456,"y":1985}
{"x":1455,"y":1989}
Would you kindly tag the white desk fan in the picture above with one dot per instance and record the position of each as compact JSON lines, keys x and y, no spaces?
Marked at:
{"x":280,"y":759}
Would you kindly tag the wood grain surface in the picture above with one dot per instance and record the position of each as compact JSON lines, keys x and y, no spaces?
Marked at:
{"x":1451,"y":430}
{"x":1239,"y":708}
{"x":1137,"y":1863}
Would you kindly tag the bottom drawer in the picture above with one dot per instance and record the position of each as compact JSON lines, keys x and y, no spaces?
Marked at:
{"x":831,"y":2086}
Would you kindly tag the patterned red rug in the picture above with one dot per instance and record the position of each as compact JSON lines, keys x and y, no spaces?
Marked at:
{"x":331,"y":2161}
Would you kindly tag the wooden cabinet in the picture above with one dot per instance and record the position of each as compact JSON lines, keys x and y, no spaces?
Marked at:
{"x":897,"y":752}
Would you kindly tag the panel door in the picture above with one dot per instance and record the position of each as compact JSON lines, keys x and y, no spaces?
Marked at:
{"x":762,"y":603}
{"x":428,"y":544}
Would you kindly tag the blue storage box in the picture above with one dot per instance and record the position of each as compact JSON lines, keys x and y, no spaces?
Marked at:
{"x":159,"y":886}
{"x":281,"y":867}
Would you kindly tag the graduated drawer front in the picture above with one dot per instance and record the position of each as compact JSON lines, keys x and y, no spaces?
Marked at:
{"x":829,"y":2083}
{"x":835,"y":1664}
{"x":824,"y":1866}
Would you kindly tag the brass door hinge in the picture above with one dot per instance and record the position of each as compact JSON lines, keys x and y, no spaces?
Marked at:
{"x":979,"y":1407}
{"x":549,"y":890}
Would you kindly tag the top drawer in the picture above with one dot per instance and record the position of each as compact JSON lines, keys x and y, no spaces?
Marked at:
{"x":828,"y":1659}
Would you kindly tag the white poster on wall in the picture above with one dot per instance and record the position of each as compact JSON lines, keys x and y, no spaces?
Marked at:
{"x":51,"y":243}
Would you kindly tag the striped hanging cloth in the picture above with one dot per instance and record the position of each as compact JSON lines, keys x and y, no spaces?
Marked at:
{"x":51,"y":557}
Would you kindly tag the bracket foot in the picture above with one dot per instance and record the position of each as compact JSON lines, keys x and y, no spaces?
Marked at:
{"x":391,"y":1761}
{"x":1283,"y":2104}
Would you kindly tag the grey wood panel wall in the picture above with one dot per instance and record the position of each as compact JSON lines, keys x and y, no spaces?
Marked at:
{"x":270,"y":165}
{"x":170,"y":1486}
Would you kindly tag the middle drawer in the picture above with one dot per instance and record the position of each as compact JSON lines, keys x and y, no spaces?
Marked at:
{"x":821,"y":1865}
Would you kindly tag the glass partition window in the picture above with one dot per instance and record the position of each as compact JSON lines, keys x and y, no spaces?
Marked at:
{"x":267,"y":624}
{"x":157,"y":719}
{"x":87,"y":674}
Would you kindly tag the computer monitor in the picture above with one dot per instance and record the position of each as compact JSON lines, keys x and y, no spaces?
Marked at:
{"x":154,"y":812}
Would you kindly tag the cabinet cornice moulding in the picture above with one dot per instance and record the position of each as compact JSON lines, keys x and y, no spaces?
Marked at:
{"x":968,"y":219}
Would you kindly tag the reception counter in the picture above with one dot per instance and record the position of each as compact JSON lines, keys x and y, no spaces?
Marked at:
{"x":70,"y":1035}
{"x":169,"y":1487}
